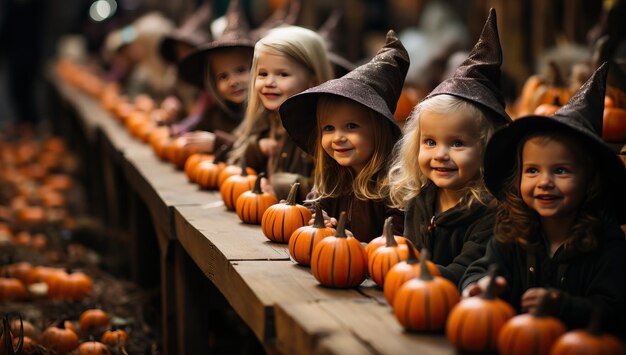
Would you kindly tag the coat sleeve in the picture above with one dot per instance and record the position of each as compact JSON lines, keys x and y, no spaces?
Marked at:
{"x":409,"y":225}
{"x":495,"y":253}
{"x":281,"y":183}
{"x":398,"y":220}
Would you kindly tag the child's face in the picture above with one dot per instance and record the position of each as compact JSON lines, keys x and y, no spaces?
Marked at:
{"x":232,"y":74}
{"x":450,"y":150}
{"x":553,"y":180}
{"x":347,"y":134}
{"x":278,"y":77}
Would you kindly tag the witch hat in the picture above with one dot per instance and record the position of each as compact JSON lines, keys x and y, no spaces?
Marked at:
{"x":193,"y":68}
{"x":477,"y":79}
{"x":331,"y":31}
{"x":287,"y":14}
{"x":194,"y":31}
{"x":375,"y":85}
{"x":580,"y":118}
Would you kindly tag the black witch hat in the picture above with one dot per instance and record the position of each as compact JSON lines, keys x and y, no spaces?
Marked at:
{"x":194,"y":31}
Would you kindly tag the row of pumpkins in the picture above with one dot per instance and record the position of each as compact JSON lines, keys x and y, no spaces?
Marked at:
{"x":18,"y":336}
{"x":422,"y":300}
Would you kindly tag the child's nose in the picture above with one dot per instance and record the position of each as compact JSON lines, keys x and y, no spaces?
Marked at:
{"x":546,"y":181}
{"x":441,"y":152}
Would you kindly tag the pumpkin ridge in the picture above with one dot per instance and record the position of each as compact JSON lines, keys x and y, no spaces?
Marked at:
{"x":427,"y":309}
{"x":537,"y":338}
{"x":273,"y":219}
{"x":407,"y":313}
{"x":311,"y":243}
{"x":257,"y":208}
{"x":489,"y":344}
{"x":282,"y":225}
{"x":332,"y":269}
{"x":348,"y":280}
{"x":459,"y":330}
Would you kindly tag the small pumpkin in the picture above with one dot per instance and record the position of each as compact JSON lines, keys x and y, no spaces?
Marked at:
{"x":282,"y":219}
{"x":423,"y":303}
{"x":252,"y":204}
{"x":193,"y":161}
{"x":12,"y":289}
{"x":18,"y":270}
{"x":9,"y":344}
{"x":93,"y":320}
{"x":230,"y":170}
{"x":381,"y":241}
{"x":93,"y":348}
{"x":115,"y":337}
{"x":236,"y":185}
{"x":304,"y":239}
{"x":27,"y":327}
{"x":59,"y":339}
{"x":613,"y":122}
{"x":532,"y":333}
{"x":339,"y":261}
{"x":206,"y":174}
{"x":475,"y":323}
{"x":590,"y":341}
{"x":548,"y":109}
{"x":404,"y":271}
{"x":73,"y":286}
{"x":178,"y":151}
{"x":382,"y":259}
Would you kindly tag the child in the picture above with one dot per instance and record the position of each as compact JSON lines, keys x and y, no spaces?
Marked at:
{"x":436,"y":173}
{"x":221,"y":67}
{"x":562,"y":196}
{"x":286,"y":61}
{"x":347,"y":124}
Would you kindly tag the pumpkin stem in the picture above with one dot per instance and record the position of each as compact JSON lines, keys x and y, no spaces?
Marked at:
{"x":340,"y":231}
{"x":244,"y":171}
{"x":319,"y":216}
{"x":291,"y":198}
{"x":388,"y":233}
{"x":556,"y":101}
{"x":257,"y":184}
{"x":489,"y":293}
{"x":412,"y":259}
{"x":547,"y":304}
{"x":425,"y":274}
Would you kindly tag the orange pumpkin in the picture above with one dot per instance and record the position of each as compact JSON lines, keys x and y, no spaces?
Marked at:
{"x":207,"y":174}
{"x":475,"y":323}
{"x":93,"y":348}
{"x":304,"y":239}
{"x":339,"y":261}
{"x":404,"y":271}
{"x":192,"y":162}
{"x":590,"y":341}
{"x":532,"y":333}
{"x":614,"y":124}
{"x":93,"y":320}
{"x":236,"y":185}
{"x":423,"y":303}
{"x":542,"y":89}
{"x":70,"y":286}
{"x":12,"y":289}
{"x":252,"y":204}
{"x":282,"y":219}
{"x":18,"y":270}
{"x":59,"y":339}
{"x":115,"y":337}
{"x":230,"y":170}
{"x":548,"y":109}
{"x":382,"y":259}
{"x":27,"y":327}
{"x":381,"y":241}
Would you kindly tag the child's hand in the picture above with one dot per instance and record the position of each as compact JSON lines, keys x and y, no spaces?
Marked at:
{"x":200,"y":140}
{"x":171,"y":105}
{"x":479,"y":287}
{"x":266,"y":186}
{"x":268,"y":146}
{"x":328,"y":221}
{"x":532,"y":298}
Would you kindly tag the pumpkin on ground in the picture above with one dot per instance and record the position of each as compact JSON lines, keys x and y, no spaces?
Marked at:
{"x":339,"y":261}
{"x":252,"y":204}
{"x":475,"y":323}
{"x":115,"y":337}
{"x":59,"y":339}
{"x":236,"y":185}
{"x":93,"y":348}
{"x":590,"y":341}
{"x":423,"y":303}
{"x":404,"y":271}
{"x":532,"y":333}
{"x":282,"y":219}
{"x":613,"y":122}
{"x":384,"y":258}
{"x":304,"y":239}
{"x":93,"y":319}
{"x":12,"y":289}
{"x":73,"y":286}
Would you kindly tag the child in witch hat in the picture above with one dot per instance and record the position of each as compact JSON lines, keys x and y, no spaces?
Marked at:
{"x":222,"y":68}
{"x":347,"y":124}
{"x":562,"y":197}
{"x":436,"y":173}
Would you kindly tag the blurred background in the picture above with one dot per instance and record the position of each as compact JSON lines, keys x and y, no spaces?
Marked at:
{"x":436,"y":33}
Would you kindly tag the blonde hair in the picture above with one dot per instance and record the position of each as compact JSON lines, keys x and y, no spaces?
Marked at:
{"x":406,"y":180}
{"x":300,"y":44}
{"x":333,"y":180}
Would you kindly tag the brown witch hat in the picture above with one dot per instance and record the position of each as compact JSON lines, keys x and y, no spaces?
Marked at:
{"x":477,"y":79}
{"x":194,"y":31}
{"x":581,"y":118}
{"x":375,"y":85}
{"x":193,"y":68}
{"x":331,"y":31}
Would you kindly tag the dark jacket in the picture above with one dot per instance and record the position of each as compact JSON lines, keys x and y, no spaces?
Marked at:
{"x":456,"y":237}
{"x":215,"y":119}
{"x":597,"y":278}
{"x":365,"y":218}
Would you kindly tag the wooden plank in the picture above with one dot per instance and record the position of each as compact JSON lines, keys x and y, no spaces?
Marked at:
{"x":88,"y":109}
{"x":301,"y":327}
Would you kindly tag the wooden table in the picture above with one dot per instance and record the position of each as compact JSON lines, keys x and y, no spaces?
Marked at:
{"x":202,"y":248}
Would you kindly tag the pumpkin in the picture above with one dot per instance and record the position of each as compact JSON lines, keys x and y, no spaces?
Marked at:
{"x":59,"y":182}
{"x":590,"y":341}
{"x":18,"y":270}
{"x":423,"y":303}
{"x":93,"y":320}
{"x":282,"y":219}
{"x":548,"y":109}
{"x":475,"y":323}
{"x":31,"y":216}
{"x":42,"y":274}
{"x":59,"y":339}
{"x":236,"y":185}
{"x":115,"y":337}
{"x":304,"y":239}
{"x":409,"y":97}
{"x":230,"y":170}
{"x":192,"y":162}
{"x":29,"y":346}
{"x":12,"y":289}
{"x":70,"y":286}
{"x":252,"y":204}
{"x":382,"y":259}
{"x":542,"y":89}
{"x":39,"y":242}
{"x":339,"y":261}
{"x":23,"y":238}
{"x":178,"y":151}
{"x":381,"y":241}
{"x":93,"y":347}
{"x":206,"y":174}
{"x":404,"y":271}
{"x":20,"y":325}
{"x":532,"y":333}
{"x":159,"y":139}
{"x":613,"y":122}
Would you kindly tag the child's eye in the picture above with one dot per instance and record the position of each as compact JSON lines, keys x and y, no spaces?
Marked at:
{"x":222,"y":76}
{"x":561,"y":170}
{"x":457,"y":144}
{"x":284,"y":74}
{"x":531,"y":171}
{"x":352,"y":125}
{"x":429,"y":142}
{"x":241,"y":69}
{"x":262,"y":74}
{"x":328,"y":128}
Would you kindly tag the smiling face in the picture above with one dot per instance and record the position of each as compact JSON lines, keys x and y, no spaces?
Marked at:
{"x":450,"y":153}
{"x":552,"y":180}
{"x":231,"y":73}
{"x":278,"y":77}
{"x":347,"y":133}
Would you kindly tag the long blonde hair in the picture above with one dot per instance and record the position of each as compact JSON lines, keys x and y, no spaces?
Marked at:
{"x":300,"y":44}
{"x":333,"y":180}
{"x":406,"y":180}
